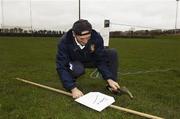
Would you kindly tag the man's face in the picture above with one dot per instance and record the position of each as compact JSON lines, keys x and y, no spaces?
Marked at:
{"x":83,"y":39}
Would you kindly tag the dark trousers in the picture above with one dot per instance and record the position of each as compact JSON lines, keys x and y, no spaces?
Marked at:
{"x":77,"y":68}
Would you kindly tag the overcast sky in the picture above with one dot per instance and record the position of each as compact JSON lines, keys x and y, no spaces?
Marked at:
{"x":60,"y":14}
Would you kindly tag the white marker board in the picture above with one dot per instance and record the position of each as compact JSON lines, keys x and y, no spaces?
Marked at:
{"x":96,"y":100}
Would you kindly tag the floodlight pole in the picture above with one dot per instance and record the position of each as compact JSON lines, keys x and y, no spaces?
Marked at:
{"x":176,"y":16}
{"x":79,"y":9}
{"x":31,"y":16}
{"x":2,"y":11}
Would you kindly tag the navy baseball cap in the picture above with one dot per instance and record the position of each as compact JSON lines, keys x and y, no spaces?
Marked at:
{"x":80,"y":26}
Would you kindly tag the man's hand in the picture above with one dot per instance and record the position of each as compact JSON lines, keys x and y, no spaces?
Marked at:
{"x":76,"y":93}
{"x":114,"y":85}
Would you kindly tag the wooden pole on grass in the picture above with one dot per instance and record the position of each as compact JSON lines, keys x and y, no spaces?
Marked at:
{"x":112,"y":106}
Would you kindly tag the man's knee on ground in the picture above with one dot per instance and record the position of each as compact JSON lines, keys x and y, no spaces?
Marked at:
{"x":112,"y":54}
{"x":76,"y":68}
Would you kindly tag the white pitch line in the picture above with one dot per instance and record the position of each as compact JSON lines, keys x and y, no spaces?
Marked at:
{"x":96,"y":74}
{"x":147,"y":71}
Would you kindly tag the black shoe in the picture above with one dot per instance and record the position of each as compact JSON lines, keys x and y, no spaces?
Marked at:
{"x":121,"y":91}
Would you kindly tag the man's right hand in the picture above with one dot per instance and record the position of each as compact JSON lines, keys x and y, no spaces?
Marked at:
{"x":76,"y":93}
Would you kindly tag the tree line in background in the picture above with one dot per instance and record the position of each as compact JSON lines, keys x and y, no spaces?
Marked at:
{"x":36,"y":33}
{"x":144,"y":33}
{"x":48,"y":33}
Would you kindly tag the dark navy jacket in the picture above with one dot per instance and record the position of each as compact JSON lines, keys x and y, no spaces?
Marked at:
{"x":69,"y":51}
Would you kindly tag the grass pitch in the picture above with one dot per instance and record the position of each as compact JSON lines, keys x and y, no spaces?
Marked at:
{"x":155,"y":87}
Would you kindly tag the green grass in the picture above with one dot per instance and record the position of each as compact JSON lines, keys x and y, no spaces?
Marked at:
{"x":33,"y":59}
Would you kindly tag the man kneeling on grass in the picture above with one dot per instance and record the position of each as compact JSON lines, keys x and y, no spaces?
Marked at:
{"x":82,"y":47}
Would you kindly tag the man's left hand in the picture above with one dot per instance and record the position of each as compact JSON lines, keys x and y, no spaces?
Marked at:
{"x":113,"y":84}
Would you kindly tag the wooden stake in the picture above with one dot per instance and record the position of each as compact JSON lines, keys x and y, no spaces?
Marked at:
{"x":112,"y":106}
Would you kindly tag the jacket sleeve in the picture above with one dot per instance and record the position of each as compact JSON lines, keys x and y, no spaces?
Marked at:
{"x":62,"y":66}
{"x":101,"y":59}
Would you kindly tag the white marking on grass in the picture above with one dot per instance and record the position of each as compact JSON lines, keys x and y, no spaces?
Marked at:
{"x":147,"y":71}
{"x":96,"y":74}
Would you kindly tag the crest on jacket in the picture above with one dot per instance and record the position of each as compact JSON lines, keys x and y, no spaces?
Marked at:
{"x":92,"y":48}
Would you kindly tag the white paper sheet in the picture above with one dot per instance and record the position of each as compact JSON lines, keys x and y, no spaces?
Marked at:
{"x":96,"y":100}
